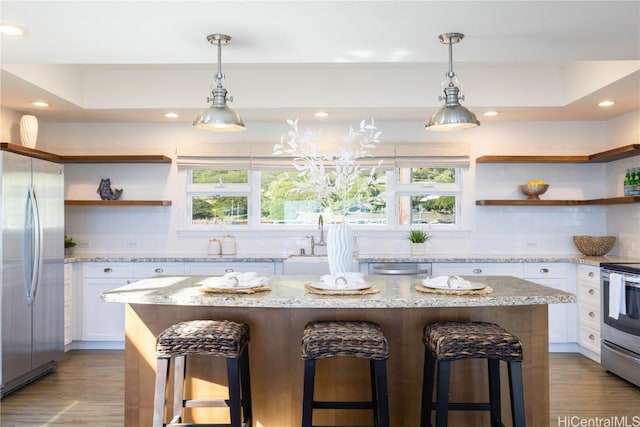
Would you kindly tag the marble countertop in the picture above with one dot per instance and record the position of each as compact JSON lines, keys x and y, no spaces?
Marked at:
{"x":289,"y":292}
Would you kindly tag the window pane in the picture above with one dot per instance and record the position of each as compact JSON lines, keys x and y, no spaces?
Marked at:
{"x":439,"y":175}
{"x":213,"y":176}
{"x":427,"y":209}
{"x":219,"y":210}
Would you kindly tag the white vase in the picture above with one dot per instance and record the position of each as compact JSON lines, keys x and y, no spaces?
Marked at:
{"x":418,"y":248}
{"x":340,"y":248}
{"x":28,"y":131}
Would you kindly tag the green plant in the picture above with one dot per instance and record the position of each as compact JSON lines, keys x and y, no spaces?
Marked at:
{"x":419,"y":236}
{"x":68,"y":242}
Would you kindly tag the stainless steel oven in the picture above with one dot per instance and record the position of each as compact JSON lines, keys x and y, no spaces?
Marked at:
{"x":620,"y":324}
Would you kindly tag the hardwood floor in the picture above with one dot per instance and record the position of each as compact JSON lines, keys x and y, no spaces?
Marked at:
{"x":88,"y":389}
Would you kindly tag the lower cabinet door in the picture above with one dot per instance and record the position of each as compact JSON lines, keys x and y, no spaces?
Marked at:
{"x":101,"y":321}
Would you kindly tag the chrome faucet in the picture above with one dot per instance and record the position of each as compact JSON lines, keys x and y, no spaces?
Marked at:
{"x":321,"y":228}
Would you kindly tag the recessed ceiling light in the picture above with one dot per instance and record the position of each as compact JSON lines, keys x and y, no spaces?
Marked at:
{"x":490,"y":113}
{"x":39,"y":104}
{"x":12,"y":30}
{"x":171,"y":115}
{"x":321,"y":114}
{"x":605,"y":103}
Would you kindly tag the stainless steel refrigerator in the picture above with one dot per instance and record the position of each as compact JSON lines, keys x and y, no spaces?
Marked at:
{"x":32,"y":287}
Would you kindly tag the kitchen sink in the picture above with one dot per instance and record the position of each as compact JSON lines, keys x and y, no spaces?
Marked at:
{"x":310,"y":264}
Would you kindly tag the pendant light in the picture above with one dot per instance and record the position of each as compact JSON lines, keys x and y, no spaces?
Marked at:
{"x":219,"y":117}
{"x":452,"y":115}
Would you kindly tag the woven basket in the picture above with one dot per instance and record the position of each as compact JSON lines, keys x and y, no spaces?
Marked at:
{"x":594,"y":245}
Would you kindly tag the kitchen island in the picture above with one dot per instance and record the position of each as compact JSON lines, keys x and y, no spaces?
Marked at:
{"x":277,"y":317}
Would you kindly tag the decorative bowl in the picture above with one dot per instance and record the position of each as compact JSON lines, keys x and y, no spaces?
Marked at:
{"x":594,"y":245}
{"x":533,"y":191}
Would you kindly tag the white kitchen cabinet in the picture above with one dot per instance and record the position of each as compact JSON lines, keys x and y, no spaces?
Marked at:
{"x":589,"y":311}
{"x":142,"y":270}
{"x":562,"y":323}
{"x":514,"y":269}
{"x":68,"y":296}
{"x":102,"y":321}
{"x":220,"y":268}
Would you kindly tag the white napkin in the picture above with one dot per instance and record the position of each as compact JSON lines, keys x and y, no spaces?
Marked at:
{"x":617,"y":300}
{"x":350,"y":279}
{"x":236,"y":279}
{"x":453,"y":282}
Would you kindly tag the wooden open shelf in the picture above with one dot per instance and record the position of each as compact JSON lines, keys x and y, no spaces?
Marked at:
{"x":602,"y":157}
{"x":526,"y":202}
{"x":117,"y":202}
{"x":31,"y":152}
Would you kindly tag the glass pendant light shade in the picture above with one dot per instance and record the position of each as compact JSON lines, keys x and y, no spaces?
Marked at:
{"x":219,"y":117}
{"x":452,"y":115}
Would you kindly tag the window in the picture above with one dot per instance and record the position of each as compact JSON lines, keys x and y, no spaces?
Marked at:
{"x":218,"y":197}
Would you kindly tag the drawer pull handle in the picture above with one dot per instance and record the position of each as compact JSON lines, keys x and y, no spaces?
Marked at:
{"x":228,"y":270}
{"x":108,"y":270}
{"x":591,"y":274}
{"x":592,"y":314}
{"x":592,"y":292}
{"x":477,"y":270}
{"x":544,"y":270}
{"x":592,"y":337}
{"x":159,"y":270}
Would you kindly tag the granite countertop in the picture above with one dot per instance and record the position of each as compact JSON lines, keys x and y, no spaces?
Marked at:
{"x":288,"y":292}
{"x":433,"y":258}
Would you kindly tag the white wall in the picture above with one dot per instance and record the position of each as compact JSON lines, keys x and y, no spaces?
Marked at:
{"x":488,"y":229}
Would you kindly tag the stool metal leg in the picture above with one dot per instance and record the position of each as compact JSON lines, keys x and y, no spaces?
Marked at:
{"x":162,"y":372}
{"x":374,"y":392}
{"x":245,"y":383}
{"x":494,"y":391}
{"x":233,"y":378}
{"x":427,"y":387}
{"x":517,"y":393}
{"x":179,"y":370}
{"x":443,"y":393}
{"x":381,"y":396}
{"x":307,"y":395}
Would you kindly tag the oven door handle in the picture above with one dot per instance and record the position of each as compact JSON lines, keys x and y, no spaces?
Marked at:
{"x":622,"y":352}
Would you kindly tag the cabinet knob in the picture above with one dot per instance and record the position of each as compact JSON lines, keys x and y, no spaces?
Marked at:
{"x":592,"y":337}
{"x":108,"y":270}
{"x":544,"y":270}
{"x":590,"y":274}
{"x":477,"y":270}
{"x":159,"y":270}
{"x":228,"y":270}
{"x":592,"y":314}
{"x":592,"y":292}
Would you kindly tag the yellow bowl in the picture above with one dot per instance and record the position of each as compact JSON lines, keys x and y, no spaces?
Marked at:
{"x":594,"y":245}
{"x":533,"y":191}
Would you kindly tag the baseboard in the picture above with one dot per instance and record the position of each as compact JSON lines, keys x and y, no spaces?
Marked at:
{"x":95,"y":345}
{"x":564,"y":347}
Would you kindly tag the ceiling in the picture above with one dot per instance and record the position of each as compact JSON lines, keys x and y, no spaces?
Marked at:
{"x":132,"y":61}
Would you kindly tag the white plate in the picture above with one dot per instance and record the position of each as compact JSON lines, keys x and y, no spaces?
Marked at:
{"x":217,"y":284}
{"x":348,"y":287}
{"x":470,"y":287}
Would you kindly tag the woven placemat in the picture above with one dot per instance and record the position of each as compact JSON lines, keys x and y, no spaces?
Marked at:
{"x":372,"y":290}
{"x":208,"y":290}
{"x":478,"y":292}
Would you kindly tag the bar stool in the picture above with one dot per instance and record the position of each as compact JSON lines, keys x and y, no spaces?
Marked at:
{"x":363,"y":340}
{"x":449,"y":341}
{"x":221,"y":338}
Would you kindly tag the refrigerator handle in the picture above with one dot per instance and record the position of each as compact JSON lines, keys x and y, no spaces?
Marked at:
{"x":38,"y":249}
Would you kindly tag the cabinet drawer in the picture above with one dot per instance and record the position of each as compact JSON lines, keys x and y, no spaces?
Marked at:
{"x":150,"y":269}
{"x":589,"y":338}
{"x":107,"y":269}
{"x":590,"y":274}
{"x":219,"y":268}
{"x":589,"y":293}
{"x":589,"y":315}
{"x":478,"y":269}
{"x":542,"y":270}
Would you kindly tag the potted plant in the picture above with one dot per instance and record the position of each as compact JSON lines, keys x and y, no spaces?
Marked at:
{"x":418,"y":239}
{"x":69,"y":244}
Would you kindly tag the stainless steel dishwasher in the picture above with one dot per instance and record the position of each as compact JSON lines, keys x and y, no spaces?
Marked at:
{"x":400,"y":268}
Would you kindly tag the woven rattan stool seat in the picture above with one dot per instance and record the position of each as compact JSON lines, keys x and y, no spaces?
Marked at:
{"x":223,"y":338}
{"x":360,"y":339}
{"x":471,"y":340}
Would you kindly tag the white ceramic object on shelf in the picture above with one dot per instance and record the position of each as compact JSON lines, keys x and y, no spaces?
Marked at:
{"x":340,"y":248}
{"x":28,"y":130}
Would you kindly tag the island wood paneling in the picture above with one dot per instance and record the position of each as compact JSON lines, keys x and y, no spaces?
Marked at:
{"x":276,"y":364}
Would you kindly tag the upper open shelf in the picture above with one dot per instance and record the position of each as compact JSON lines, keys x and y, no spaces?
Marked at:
{"x":602,"y":157}
{"x":32,"y":152}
